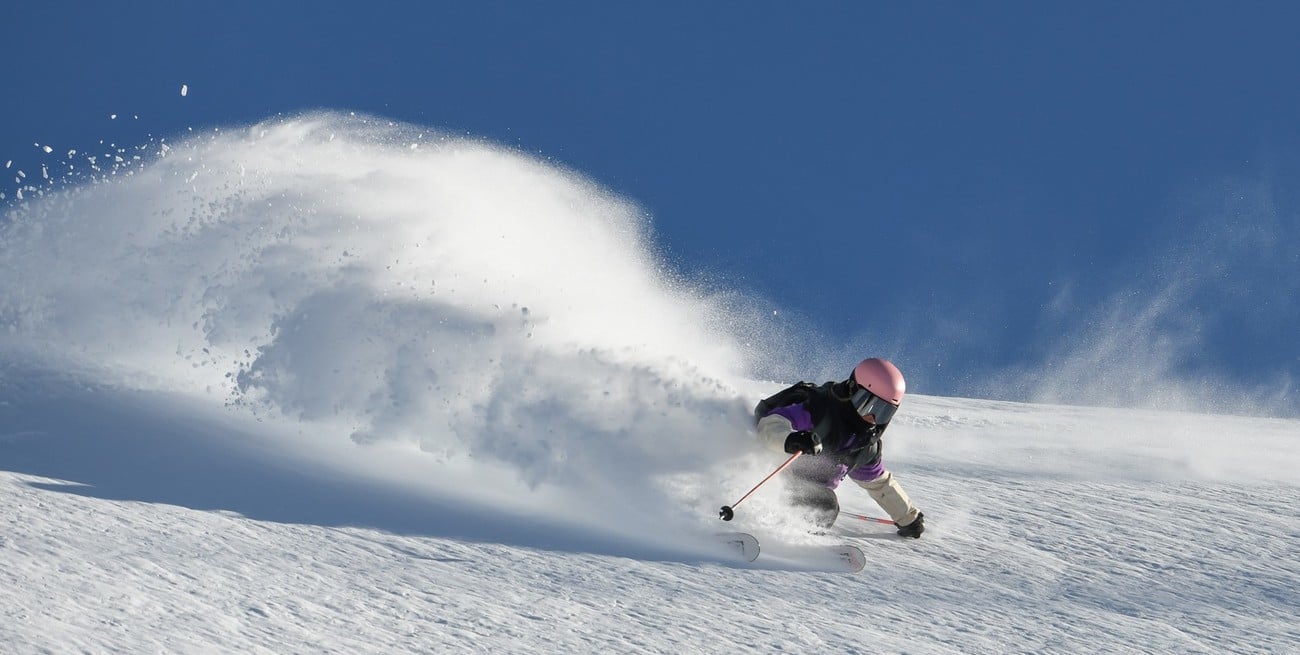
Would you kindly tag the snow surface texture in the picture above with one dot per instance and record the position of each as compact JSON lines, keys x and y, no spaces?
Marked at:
{"x":330,"y":384}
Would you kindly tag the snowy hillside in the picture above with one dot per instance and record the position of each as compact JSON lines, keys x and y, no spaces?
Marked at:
{"x":334,"y":385}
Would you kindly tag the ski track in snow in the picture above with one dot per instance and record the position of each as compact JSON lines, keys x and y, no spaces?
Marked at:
{"x":311,"y":389}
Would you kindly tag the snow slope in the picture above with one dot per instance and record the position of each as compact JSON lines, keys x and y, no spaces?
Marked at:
{"x":329,"y":384}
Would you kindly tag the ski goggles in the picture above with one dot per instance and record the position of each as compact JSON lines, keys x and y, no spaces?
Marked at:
{"x":869,"y":404}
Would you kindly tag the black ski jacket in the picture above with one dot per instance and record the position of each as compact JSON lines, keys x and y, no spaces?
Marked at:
{"x":846,"y":439}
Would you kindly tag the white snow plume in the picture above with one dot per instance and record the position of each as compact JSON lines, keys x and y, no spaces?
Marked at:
{"x":1228,"y":277}
{"x":320,"y":272}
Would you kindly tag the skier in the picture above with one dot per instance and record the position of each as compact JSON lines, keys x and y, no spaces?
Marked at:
{"x":837,"y":426}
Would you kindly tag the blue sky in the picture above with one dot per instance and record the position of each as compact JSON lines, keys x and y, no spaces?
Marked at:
{"x":974,"y":189}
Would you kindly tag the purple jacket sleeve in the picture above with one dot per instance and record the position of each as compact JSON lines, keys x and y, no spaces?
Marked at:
{"x":797,"y":414}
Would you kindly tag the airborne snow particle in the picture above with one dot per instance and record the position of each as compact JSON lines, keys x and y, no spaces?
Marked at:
{"x":112,"y":117}
{"x":185,"y":90}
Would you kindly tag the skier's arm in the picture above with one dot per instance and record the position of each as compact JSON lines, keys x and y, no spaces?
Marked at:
{"x":793,"y":395}
{"x":772,"y":431}
{"x":784,"y":423}
{"x":776,"y":432}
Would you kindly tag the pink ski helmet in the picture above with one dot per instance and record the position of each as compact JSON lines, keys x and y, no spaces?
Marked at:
{"x":877,"y":388}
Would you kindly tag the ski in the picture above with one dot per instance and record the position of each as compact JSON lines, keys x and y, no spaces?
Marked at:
{"x":844,"y":557}
{"x":741,"y":543}
{"x":851,"y":556}
{"x":814,"y":557}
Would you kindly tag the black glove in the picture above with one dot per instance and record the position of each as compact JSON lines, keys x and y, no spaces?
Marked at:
{"x":803,"y":441}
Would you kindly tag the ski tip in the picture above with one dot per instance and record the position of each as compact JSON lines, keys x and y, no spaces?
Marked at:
{"x":741,"y":543}
{"x":854,"y":559}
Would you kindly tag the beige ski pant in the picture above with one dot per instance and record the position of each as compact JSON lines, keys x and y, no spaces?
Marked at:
{"x":891,"y":498}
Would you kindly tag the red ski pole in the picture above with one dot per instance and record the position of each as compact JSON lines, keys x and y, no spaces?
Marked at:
{"x":727,"y":513}
{"x":866,"y":518}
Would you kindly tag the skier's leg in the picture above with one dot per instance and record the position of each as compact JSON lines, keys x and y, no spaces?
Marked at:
{"x":818,"y":500}
{"x":891,"y":498}
{"x":812,"y":488}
